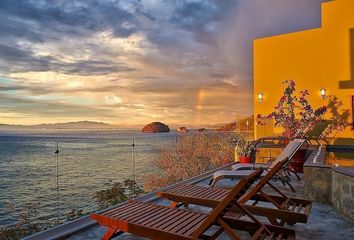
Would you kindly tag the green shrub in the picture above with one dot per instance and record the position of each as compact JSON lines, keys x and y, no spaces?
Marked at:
{"x":118,"y":193}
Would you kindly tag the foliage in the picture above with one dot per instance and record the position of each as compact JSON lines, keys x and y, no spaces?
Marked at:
{"x":24,"y":226}
{"x":132,"y":189}
{"x":191,"y":155}
{"x":295,"y":114}
{"x":26,"y":213}
{"x":118,"y":193}
{"x":339,"y":119}
{"x":241,"y":148}
{"x":75,"y":213}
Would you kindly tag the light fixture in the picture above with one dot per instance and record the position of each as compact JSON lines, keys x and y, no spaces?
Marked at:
{"x":323,"y":93}
{"x":260,"y":97}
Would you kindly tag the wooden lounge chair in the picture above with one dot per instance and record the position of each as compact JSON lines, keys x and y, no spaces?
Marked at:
{"x":300,"y":133}
{"x":161,"y":222}
{"x":283,"y":209}
{"x":317,"y":133}
{"x":288,"y":152}
{"x":241,"y":170}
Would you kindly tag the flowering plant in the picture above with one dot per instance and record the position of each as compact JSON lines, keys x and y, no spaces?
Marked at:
{"x":293,"y":113}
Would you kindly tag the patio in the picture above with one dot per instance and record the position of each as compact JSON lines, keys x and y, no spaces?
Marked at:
{"x":325,"y":221}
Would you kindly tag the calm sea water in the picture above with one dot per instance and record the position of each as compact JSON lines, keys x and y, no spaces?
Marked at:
{"x":88,"y":161}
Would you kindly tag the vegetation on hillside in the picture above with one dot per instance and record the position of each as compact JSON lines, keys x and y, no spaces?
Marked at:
{"x":25,"y":224}
{"x":191,"y":155}
{"x":119,"y":192}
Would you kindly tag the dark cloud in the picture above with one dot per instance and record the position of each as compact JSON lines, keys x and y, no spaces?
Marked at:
{"x":181,"y":46}
{"x":37,"y":89}
{"x":49,"y":108}
{"x":90,"y":67}
{"x":15,"y":28}
{"x":63,"y":17}
{"x":205,"y":20}
{"x":12,"y":53}
{"x":56,"y":21}
{"x":15,"y":59}
{"x":202,"y":18}
{"x":192,"y":14}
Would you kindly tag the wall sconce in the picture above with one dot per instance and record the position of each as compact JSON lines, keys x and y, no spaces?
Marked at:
{"x":323,"y":93}
{"x":260,"y":97}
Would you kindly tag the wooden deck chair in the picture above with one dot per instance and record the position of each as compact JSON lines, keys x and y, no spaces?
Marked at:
{"x":288,"y":152}
{"x":241,"y":170}
{"x":280,"y":140}
{"x":161,"y":222}
{"x":282,"y":210}
{"x":317,"y":133}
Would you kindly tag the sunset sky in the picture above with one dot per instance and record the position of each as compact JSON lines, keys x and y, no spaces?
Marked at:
{"x":131,"y":62}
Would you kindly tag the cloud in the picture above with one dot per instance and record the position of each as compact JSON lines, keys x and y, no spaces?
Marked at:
{"x":68,"y":18}
{"x":112,"y":99}
{"x":14,"y":59}
{"x":254,"y":19}
{"x":129,"y":60}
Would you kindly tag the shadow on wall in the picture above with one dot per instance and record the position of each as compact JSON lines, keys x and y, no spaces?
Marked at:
{"x":349,"y":84}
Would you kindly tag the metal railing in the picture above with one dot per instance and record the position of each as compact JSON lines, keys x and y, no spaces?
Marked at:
{"x":70,"y":228}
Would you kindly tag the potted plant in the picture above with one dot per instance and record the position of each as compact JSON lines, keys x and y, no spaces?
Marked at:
{"x":242,"y":152}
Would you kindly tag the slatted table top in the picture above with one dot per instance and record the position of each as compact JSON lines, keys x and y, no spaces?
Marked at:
{"x":178,"y":221}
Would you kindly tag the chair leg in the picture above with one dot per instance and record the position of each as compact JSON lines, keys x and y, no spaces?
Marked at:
{"x":291,"y":187}
{"x":275,"y":222}
{"x":211,"y":181}
{"x":229,"y":231}
{"x":173,"y":204}
{"x":216,"y":234}
{"x":286,"y":182}
{"x":110,"y":234}
{"x":297,"y":175}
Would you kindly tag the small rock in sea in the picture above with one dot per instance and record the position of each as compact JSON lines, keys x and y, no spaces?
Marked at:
{"x":182,"y":130}
{"x":202,"y":130}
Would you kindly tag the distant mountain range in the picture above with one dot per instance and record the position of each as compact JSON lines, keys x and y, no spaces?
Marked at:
{"x":240,"y":125}
{"x":68,"y":125}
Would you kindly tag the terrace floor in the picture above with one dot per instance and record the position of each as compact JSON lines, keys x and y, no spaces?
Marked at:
{"x":324,"y":222}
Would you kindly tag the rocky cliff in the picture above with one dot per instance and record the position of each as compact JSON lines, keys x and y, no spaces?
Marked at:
{"x":228,"y":127}
{"x":155,"y":127}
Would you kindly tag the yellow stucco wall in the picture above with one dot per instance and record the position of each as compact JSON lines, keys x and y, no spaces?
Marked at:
{"x":314,"y":59}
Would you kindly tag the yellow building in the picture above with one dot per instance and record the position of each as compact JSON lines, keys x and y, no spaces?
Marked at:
{"x":321,"y":58}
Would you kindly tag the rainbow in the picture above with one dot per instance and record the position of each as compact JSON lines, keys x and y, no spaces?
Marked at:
{"x":199,"y":99}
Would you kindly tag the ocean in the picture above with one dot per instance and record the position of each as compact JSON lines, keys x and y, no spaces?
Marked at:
{"x":88,"y":161}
